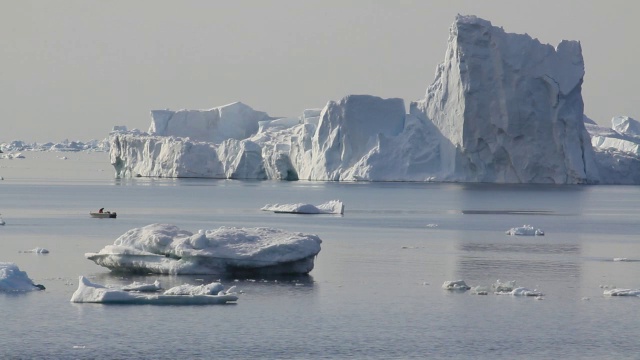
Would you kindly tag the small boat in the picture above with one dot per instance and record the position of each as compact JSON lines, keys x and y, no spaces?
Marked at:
{"x":103,"y":215}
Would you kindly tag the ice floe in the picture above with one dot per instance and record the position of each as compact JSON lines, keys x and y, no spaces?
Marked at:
{"x":622,"y":292}
{"x":166,"y":249}
{"x":455,"y":285}
{"x":526,"y":230}
{"x":89,"y":292}
{"x":37,"y":250}
{"x":331,"y":207}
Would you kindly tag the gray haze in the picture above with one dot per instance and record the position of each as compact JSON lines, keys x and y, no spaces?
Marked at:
{"x":73,"y":69}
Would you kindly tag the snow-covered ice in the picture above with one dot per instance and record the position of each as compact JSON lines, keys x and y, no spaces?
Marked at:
{"x":89,"y":292}
{"x":12,"y":279}
{"x":525,"y":230}
{"x":331,"y":207}
{"x":143,"y":287}
{"x":166,"y":249}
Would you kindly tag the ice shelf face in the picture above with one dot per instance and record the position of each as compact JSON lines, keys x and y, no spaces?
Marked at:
{"x":510,"y":107}
{"x":503,"y":108}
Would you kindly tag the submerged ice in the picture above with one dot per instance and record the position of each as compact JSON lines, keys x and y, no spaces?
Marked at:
{"x":166,"y":249}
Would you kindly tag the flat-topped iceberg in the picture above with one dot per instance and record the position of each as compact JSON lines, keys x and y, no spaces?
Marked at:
{"x":12,"y":279}
{"x":89,"y":292}
{"x":331,"y":207}
{"x":166,"y":249}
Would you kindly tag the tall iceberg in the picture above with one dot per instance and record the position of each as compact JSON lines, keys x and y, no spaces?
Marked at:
{"x":510,"y":108}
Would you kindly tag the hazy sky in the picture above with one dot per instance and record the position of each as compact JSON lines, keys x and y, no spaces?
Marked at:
{"x":73,"y":69}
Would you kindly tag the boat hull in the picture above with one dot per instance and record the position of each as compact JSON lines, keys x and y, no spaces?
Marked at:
{"x":106,"y":215}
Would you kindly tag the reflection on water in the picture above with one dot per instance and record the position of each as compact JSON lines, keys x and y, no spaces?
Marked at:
{"x":524,"y":248}
{"x":480,"y":268}
{"x":507,"y":212}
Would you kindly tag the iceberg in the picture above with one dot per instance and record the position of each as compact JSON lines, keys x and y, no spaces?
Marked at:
{"x":331,"y":207}
{"x":166,"y":249}
{"x":509,"y":107}
{"x":12,"y":279}
{"x":503,"y":108}
{"x":89,"y":292}
{"x":526,"y":230}
{"x":617,"y":150}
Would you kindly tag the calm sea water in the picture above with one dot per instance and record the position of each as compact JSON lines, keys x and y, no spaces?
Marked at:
{"x":375,"y":292}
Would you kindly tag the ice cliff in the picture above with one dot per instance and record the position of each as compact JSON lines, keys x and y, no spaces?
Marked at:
{"x":503,"y":108}
{"x":509,"y":107}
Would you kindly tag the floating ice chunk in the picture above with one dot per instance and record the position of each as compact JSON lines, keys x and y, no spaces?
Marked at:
{"x":331,"y":207}
{"x":625,"y":260}
{"x":503,"y":287}
{"x":14,"y":280}
{"x":455,"y":285}
{"x":143,"y":287}
{"x":527,"y":230}
{"x":522,"y":291}
{"x":166,"y":249}
{"x":37,"y":250}
{"x":205,"y":289}
{"x":1,"y":221}
{"x":89,"y":292}
{"x":479,"y":290}
{"x":622,"y":292}
{"x":432,"y":225}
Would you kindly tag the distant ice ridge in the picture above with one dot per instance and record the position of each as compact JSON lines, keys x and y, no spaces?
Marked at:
{"x":12,"y":279}
{"x":617,"y":150}
{"x":64,"y":146}
{"x":213,"y":293}
{"x":166,"y":249}
{"x":331,"y":207}
{"x":503,"y":108}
